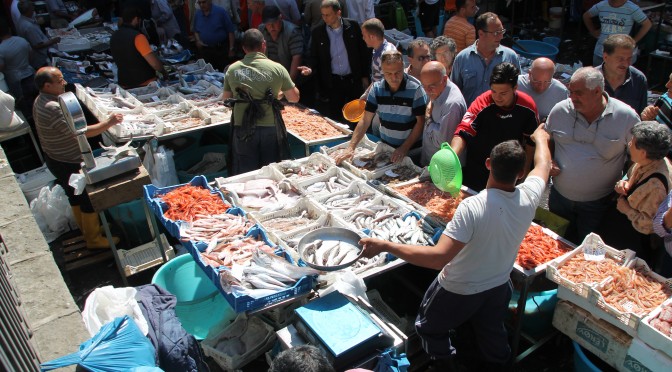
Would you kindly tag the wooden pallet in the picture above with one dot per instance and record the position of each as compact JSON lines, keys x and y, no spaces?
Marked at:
{"x":76,"y":255}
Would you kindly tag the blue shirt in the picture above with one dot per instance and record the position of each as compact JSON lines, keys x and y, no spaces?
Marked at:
{"x":472,"y":75}
{"x":397,"y":111}
{"x":339,"y":55}
{"x":376,"y":61}
{"x":633,"y":91}
{"x":214,"y":28}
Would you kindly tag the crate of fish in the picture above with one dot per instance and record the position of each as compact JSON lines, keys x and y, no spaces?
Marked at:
{"x":349,"y":199}
{"x":167,"y":105}
{"x":304,"y":168}
{"x":365,"y":165}
{"x":365,"y":145}
{"x":588,"y":265}
{"x":239,"y":343}
{"x":158,"y":95}
{"x":437,"y":205}
{"x":304,"y":213}
{"x":178,"y":111}
{"x":290,"y":241}
{"x":369,"y":214}
{"x":656,"y":328}
{"x":147,"y":89}
{"x":539,"y":247}
{"x":235,"y":251}
{"x":212,"y":230}
{"x":218,"y":111}
{"x":120,"y":102}
{"x":138,"y":125}
{"x":199,"y":65}
{"x":191,"y":87}
{"x":268,"y":279}
{"x":264,"y":190}
{"x":195,"y":118}
{"x":629,"y":294}
{"x":333,"y":180}
{"x":185,"y":202}
{"x":211,"y":93}
{"x":397,"y":173}
{"x":311,"y":128}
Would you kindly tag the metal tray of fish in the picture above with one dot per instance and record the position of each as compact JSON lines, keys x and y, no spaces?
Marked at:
{"x":305,"y":212}
{"x":305,"y":168}
{"x":348,"y":199}
{"x":397,"y":173}
{"x":333,"y":180}
{"x":342,"y":128}
{"x":330,"y":248}
{"x":290,"y":241}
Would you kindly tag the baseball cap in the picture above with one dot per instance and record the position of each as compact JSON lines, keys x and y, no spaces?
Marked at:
{"x":271,"y":13}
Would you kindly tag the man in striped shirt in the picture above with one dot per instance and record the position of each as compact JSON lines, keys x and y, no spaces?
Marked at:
{"x":61,"y":150}
{"x":458,"y":27}
{"x":400,"y":103}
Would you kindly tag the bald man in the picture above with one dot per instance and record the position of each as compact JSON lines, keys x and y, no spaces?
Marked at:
{"x":542,"y":87}
{"x":445,"y":110}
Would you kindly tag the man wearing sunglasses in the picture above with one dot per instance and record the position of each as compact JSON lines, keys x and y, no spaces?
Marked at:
{"x":590,"y":133}
{"x":418,"y":56}
{"x":473,"y":66}
{"x":540,"y":85}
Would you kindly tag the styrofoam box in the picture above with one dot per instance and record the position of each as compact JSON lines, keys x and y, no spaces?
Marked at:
{"x":156,"y":96}
{"x":147,"y":89}
{"x":654,"y":337}
{"x":380,"y":200}
{"x":176,"y":100}
{"x":232,"y":362}
{"x":212,"y":91}
{"x":366,"y":174}
{"x":313,"y":159}
{"x":340,"y":174}
{"x":125,"y":129}
{"x":365,"y":143}
{"x":191,"y":67}
{"x":174,"y":125}
{"x":406,"y":162}
{"x":314,"y":212}
{"x":540,"y":269}
{"x":591,"y":244}
{"x":184,"y":107}
{"x":600,"y":338}
{"x":71,"y":45}
{"x":357,"y":187}
{"x":266,"y":172}
{"x":642,"y":357}
{"x":626,"y":321}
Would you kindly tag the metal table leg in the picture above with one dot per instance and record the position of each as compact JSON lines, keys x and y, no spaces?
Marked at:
{"x":520,"y":313}
{"x":113,"y":247}
{"x":154,"y":230}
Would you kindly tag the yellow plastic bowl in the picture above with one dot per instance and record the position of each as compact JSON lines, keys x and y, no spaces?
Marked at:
{"x":354,"y":110}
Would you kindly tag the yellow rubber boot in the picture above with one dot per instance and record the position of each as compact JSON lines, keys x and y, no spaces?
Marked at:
{"x":93,"y":232}
{"x":77,"y":213}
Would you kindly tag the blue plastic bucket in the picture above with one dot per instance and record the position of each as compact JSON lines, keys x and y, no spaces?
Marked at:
{"x":200,"y":307}
{"x":581,"y":361}
{"x":553,"y":40}
{"x":539,"y":308}
{"x":536,"y":49}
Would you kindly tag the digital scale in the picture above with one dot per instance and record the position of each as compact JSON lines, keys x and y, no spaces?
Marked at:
{"x":110,"y":163}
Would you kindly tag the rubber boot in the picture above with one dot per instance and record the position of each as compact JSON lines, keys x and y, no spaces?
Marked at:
{"x":93,"y":232}
{"x":77,"y":213}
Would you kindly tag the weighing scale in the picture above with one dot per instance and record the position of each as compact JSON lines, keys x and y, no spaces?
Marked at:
{"x":107,"y":165}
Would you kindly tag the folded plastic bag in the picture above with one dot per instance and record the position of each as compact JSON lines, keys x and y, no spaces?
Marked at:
{"x":119,"y":346}
{"x":106,"y":303}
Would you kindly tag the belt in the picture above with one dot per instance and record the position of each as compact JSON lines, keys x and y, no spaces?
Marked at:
{"x":341,"y":77}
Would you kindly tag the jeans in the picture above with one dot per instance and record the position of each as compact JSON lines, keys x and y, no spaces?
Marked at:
{"x":583,"y":217}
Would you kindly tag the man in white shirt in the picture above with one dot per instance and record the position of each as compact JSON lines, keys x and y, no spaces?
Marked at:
{"x":542,"y":87}
{"x":475,"y":254}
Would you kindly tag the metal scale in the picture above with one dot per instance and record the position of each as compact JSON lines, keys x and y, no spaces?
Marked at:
{"x":110,"y":163}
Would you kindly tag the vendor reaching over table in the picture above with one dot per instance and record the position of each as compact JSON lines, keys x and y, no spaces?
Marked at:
{"x":259,"y":135}
{"x":136,"y":62}
{"x":400,"y":103}
{"x":476,"y":254}
{"x":61,"y":150}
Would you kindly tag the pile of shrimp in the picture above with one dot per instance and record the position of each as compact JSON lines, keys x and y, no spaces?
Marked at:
{"x":440,"y":203}
{"x":630,"y":291}
{"x":189,"y":203}
{"x":307,"y":125}
{"x":579,"y":270}
{"x":538,"y":248}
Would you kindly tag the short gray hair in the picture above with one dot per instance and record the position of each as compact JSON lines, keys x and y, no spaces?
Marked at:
{"x":652,"y":137}
{"x":440,"y":41}
{"x":591,"y":77}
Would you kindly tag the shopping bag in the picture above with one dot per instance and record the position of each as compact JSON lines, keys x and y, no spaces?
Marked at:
{"x":106,"y":303}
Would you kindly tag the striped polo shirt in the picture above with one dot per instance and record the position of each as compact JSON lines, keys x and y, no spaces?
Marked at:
{"x":58,"y":142}
{"x":397,"y":111}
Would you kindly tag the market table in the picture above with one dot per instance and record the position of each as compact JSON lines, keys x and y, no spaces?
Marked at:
{"x":122,"y":189}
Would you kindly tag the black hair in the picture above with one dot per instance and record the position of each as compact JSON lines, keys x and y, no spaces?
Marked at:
{"x":252,"y":40}
{"x":505,"y":73}
{"x":481,"y":22}
{"x":507,"y":160}
{"x":129,"y":13}
{"x":304,"y":358}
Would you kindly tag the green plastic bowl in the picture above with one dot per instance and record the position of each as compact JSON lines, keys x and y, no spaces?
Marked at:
{"x":445,"y":170}
{"x":200,"y":307}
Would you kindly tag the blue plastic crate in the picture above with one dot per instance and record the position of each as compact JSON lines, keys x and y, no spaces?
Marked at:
{"x":246,"y":303}
{"x":152,"y":195}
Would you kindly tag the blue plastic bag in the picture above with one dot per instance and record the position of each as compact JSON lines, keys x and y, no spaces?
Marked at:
{"x":389,"y":361}
{"x":118,"y":346}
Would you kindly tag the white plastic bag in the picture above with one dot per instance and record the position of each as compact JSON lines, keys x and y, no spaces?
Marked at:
{"x":52,"y":212}
{"x":160,"y":166}
{"x":346,"y":282}
{"x":106,"y":303}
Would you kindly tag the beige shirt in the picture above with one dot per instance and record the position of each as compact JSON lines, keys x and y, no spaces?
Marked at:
{"x":644,"y":201}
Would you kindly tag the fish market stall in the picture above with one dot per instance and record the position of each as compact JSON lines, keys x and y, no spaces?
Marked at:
{"x":312,"y":129}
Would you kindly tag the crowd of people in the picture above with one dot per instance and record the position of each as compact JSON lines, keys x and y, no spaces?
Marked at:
{"x":603,"y":146}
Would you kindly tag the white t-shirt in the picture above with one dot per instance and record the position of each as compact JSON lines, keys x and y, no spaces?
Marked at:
{"x":492,"y":224}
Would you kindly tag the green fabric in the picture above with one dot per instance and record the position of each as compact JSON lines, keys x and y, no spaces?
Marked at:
{"x":256,"y":73}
